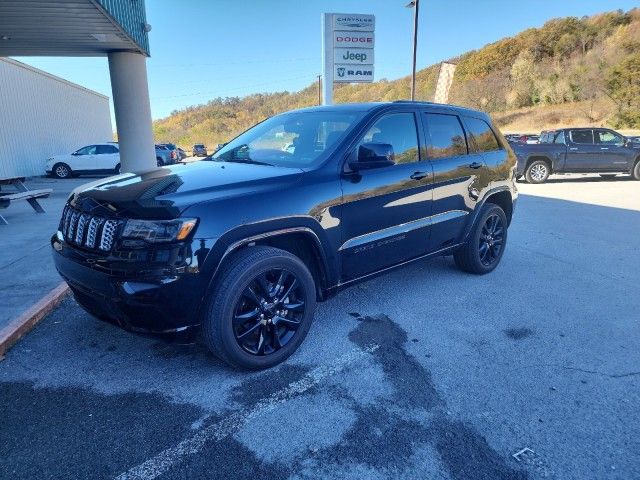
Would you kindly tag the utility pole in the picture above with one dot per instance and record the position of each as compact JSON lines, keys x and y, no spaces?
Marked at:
{"x":415,"y":5}
{"x":319,"y":90}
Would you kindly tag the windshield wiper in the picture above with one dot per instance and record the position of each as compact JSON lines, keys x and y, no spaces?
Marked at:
{"x":247,"y":160}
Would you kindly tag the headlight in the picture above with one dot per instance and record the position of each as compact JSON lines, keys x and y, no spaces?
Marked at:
{"x":158,"y":231}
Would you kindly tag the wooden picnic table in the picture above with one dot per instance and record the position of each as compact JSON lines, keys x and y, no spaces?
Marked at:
{"x":21,"y":193}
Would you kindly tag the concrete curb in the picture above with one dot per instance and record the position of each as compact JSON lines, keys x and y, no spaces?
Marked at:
{"x":10,"y":334}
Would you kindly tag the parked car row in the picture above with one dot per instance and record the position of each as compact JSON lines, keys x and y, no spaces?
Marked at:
{"x":522,"y":138}
{"x":578,"y":150}
{"x":104,"y":158}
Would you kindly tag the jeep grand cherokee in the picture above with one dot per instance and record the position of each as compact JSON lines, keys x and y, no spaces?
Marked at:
{"x":291,"y":211}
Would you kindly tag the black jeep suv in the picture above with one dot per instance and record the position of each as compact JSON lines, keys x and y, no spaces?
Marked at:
{"x":288,"y":213}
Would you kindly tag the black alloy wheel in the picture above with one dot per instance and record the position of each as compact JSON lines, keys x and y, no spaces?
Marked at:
{"x":269,"y":312}
{"x":486,"y":242}
{"x":260,"y":307}
{"x":491,"y":240}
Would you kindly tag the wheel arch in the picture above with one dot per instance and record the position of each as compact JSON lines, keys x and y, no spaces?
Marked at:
{"x":301,"y":241}
{"x":500,"y":196}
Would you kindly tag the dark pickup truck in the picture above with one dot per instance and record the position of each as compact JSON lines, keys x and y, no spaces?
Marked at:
{"x":578,"y":150}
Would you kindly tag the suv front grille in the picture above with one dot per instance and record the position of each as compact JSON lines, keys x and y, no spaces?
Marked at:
{"x":89,"y":231}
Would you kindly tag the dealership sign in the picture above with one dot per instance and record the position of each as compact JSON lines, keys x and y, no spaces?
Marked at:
{"x":353,"y":73}
{"x":353,"y":56}
{"x":353,"y":23}
{"x":353,"y":39}
{"x":347,"y":50}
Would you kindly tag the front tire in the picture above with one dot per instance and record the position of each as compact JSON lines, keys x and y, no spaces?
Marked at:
{"x":62,"y":170}
{"x":261,"y":308}
{"x":537,"y":172}
{"x":485,"y":246}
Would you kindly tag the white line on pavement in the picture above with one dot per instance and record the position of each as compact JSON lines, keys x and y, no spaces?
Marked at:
{"x":166,"y":459}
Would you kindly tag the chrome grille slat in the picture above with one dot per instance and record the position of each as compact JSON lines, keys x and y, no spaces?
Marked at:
{"x":90,"y":231}
{"x":108,"y":234}
{"x":67,"y":219}
{"x":82,"y":223}
{"x":72,"y":226}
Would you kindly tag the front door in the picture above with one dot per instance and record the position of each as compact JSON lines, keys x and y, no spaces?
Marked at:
{"x":386,"y":211}
{"x":614,"y":156}
{"x":84,"y":159}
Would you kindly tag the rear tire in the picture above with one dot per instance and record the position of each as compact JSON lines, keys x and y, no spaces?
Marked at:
{"x":117,"y":169}
{"x":62,"y":170}
{"x":159,"y":162}
{"x":260,"y":308}
{"x":635,"y":173}
{"x":537,"y":172}
{"x":487,"y":241}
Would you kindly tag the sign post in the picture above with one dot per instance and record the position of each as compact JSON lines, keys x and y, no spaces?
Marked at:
{"x":348,"y":42}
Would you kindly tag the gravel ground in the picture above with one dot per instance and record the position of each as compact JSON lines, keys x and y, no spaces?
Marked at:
{"x":530,"y":372}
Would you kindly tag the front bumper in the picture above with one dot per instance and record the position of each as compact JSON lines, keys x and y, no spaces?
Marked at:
{"x":166,"y":303}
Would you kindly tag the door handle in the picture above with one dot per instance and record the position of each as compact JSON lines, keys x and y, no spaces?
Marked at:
{"x":604,"y":148}
{"x":475,"y":165}
{"x":419,"y":175}
{"x":573,"y":148}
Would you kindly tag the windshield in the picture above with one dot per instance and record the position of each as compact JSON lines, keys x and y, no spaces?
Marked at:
{"x":296,"y":139}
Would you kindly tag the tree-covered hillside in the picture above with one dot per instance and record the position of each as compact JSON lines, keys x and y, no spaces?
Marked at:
{"x":588,"y":65}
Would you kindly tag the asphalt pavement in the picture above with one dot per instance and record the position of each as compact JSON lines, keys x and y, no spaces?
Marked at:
{"x":532,"y":371}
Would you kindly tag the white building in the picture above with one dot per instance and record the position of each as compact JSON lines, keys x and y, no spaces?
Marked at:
{"x":116,"y":29}
{"x":42,"y":115}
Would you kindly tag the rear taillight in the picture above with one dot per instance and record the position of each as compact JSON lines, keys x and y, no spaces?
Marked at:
{"x":173,"y":155}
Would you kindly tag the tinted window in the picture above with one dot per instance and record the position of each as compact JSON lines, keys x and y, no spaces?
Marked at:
{"x":482,"y":134}
{"x":295,"y":139}
{"x":398,"y":130}
{"x":608,"y":137}
{"x":559,"y":138}
{"x":582,"y":136}
{"x":446,"y":135}
{"x":103,"y":149}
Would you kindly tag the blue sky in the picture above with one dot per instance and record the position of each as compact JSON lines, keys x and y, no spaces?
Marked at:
{"x":201,"y":49}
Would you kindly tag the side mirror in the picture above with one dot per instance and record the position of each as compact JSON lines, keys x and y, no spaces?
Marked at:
{"x":373,"y":155}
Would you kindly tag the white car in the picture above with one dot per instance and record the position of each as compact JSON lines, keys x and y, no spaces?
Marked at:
{"x":92,"y":159}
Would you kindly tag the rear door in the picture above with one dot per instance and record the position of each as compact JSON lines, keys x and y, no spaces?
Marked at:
{"x":582,"y":152}
{"x":614,"y":156}
{"x":456,"y":169}
{"x":386,"y":211}
{"x":107,"y":157}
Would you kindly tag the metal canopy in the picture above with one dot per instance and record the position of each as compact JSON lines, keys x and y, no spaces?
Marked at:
{"x":66,"y":28}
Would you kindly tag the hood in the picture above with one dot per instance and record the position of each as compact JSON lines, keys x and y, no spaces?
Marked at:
{"x":165,"y":192}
